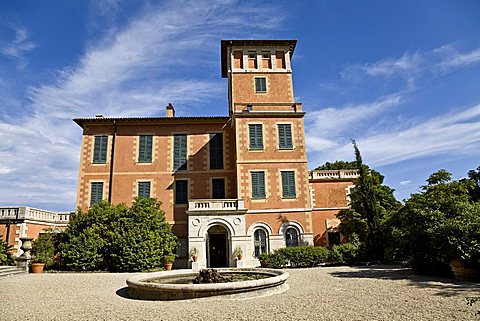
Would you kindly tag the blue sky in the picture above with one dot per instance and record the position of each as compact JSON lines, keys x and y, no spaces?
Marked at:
{"x":400,"y":77}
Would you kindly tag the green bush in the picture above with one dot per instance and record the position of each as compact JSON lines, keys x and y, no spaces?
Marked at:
{"x":5,"y":253}
{"x":44,"y":249}
{"x":299,"y":256}
{"x":335,"y":255}
{"x":118,"y":238}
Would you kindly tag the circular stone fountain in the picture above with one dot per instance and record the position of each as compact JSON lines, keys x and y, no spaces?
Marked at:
{"x":177,"y":285}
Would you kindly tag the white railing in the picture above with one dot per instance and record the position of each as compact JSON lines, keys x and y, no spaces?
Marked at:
{"x":215,"y":205}
{"x":25,"y":212}
{"x":334,"y":174}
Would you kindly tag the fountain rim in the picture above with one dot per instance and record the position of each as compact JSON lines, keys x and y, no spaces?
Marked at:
{"x":139,"y":281}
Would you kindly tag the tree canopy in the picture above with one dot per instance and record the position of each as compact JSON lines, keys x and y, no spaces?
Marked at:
{"x":118,"y":237}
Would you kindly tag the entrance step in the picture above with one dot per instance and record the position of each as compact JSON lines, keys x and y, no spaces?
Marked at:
{"x":6,"y":271}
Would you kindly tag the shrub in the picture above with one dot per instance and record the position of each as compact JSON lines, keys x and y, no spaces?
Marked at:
{"x":118,"y":238}
{"x":299,"y":256}
{"x":5,"y":253}
{"x":44,"y":249}
{"x":335,"y":255}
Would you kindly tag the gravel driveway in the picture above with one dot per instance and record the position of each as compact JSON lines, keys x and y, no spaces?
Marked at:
{"x":325,"y":293}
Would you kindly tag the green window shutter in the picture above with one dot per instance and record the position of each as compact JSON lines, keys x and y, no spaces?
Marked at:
{"x":256,"y":136}
{"x":218,"y":188}
{"x":285,"y":136}
{"x":181,"y":192}
{"x":216,"y":151}
{"x":258,"y":184}
{"x":100,"y":149}
{"x":288,"y":184}
{"x":145,"y":149}
{"x":180,"y":152}
{"x":143,"y":189}
{"x":96,"y":192}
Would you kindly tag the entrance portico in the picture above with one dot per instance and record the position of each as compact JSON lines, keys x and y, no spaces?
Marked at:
{"x":216,"y":227}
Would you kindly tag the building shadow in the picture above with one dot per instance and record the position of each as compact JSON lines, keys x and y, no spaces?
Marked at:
{"x":445,"y":287}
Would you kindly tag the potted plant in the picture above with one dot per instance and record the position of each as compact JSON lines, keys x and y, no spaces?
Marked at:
{"x":168,"y":260}
{"x":238,"y":253}
{"x":194,"y":254}
{"x":43,"y":252}
{"x":263,"y":259}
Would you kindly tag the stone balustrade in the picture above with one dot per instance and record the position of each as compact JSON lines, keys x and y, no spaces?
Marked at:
{"x":334,"y":174}
{"x":203,"y":205}
{"x":29,"y":213}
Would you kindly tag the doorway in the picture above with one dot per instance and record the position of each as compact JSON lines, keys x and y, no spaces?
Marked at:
{"x":217,"y":247}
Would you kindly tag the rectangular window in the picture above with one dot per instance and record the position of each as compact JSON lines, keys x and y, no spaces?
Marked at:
{"x":256,"y":136}
{"x":181,"y":192}
{"x":288,"y":184}
{"x":145,"y":149}
{"x":216,"y":151}
{"x":96,"y":192}
{"x":143,"y":189}
{"x":218,"y":188}
{"x":258,"y":185}
{"x":180,"y":152}
{"x":285,"y":136}
{"x":100,"y":149}
{"x":261,"y":85}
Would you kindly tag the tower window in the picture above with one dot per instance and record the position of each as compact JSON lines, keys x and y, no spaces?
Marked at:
{"x":266,"y":62}
{"x":256,"y":136}
{"x":261,"y":85}
{"x":285,"y":136}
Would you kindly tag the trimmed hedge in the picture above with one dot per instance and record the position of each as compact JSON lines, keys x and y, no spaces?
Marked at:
{"x":311,"y":256}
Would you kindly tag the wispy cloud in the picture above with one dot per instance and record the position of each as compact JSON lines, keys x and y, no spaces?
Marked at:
{"x":135,"y":70}
{"x":457,"y":132}
{"x":17,"y":47}
{"x":327,"y":127}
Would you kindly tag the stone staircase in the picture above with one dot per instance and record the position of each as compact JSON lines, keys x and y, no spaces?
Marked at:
{"x":6,"y":271}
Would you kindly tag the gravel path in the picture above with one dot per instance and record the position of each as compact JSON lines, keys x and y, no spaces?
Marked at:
{"x":326,"y":293}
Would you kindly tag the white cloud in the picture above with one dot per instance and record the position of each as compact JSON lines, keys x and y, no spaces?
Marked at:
{"x":452,"y":133}
{"x":18,"y":46}
{"x":325,"y":126}
{"x":134,"y":70}
{"x":404,"y":183}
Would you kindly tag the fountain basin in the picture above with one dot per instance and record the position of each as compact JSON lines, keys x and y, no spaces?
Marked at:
{"x":142,"y":286}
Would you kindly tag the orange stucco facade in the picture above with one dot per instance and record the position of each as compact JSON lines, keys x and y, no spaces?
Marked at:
{"x":268,"y":200}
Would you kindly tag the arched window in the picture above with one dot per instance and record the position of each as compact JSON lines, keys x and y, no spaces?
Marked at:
{"x":260,"y":242}
{"x":291,"y":237}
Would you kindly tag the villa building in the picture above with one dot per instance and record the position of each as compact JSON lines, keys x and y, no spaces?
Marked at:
{"x":240,"y":180}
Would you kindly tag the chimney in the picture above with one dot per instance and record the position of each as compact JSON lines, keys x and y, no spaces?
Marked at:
{"x":170,"y":112}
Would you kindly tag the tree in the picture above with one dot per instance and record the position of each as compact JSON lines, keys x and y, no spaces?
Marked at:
{"x":5,"y":253}
{"x":118,"y":238}
{"x":371,"y":203}
{"x":439,"y":224}
{"x":338,"y":165}
{"x":474,"y":177}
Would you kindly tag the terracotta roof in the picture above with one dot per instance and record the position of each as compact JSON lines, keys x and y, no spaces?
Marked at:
{"x":81,"y":121}
{"x":224,"y":44}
